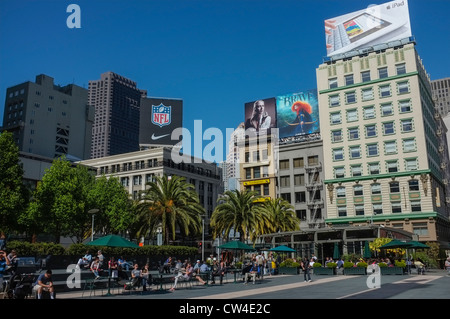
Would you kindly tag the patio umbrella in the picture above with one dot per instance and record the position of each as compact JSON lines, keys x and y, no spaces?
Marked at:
{"x":367,"y":253}
{"x":417,"y":245}
{"x":283,"y":248}
{"x":113,"y":241}
{"x":396,"y":244}
{"x":336,"y":254}
{"x":236,"y":245}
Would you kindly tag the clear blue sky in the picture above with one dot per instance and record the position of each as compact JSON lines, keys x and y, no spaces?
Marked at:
{"x":216,"y":55}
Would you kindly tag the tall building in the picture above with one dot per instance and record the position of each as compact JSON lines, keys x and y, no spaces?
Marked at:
{"x":441,"y":96}
{"x":233,"y":171}
{"x":49,"y":120}
{"x":116,"y":100}
{"x":382,"y":156}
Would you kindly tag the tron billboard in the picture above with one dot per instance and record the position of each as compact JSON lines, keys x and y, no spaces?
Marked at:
{"x":298,"y":114}
{"x":158,"y":118}
{"x":377,"y":24}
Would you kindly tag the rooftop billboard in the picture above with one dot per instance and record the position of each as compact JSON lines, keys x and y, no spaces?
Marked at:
{"x":298,"y":114}
{"x":158,"y":118}
{"x":377,"y":24}
{"x":260,"y":116}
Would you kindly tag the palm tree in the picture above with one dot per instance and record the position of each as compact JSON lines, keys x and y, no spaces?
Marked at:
{"x":170,"y":202}
{"x":238,"y":210}
{"x":282,"y":215}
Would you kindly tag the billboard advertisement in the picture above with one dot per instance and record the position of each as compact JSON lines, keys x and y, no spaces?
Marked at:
{"x":368,"y":27}
{"x":260,"y":116}
{"x":298,"y":114}
{"x":158,"y":118}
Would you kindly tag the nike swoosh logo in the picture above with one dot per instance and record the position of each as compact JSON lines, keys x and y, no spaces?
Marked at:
{"x":158,"y":137}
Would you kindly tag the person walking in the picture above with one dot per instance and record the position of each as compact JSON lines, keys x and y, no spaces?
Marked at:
{"x":306,"y":267}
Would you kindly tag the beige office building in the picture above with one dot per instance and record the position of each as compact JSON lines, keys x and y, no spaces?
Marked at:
{"x":384,"y":162}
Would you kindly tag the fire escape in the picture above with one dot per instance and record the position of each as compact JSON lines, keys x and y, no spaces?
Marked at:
{"x":315,"y":201}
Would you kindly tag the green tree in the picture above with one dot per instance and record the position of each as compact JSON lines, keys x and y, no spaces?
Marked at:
{"x":282,"y":216}
{"x":239,"y":211}
{"x":170,"y":203}
{"x":13,"y":193}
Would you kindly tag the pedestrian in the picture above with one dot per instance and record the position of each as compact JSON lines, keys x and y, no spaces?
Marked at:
{"x":447,"y":266}
{"x":306,"y":267}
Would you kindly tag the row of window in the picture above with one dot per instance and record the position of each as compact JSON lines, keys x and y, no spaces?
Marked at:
{"x":258,"y":172}
{"x":299,"y":162}
{"x":366,"y":76}
{"x":372,"y":149}
{"x":375,"y":188}
{"x":299,"y":179}
{"x":370,"y":130}
{"x":377,"y":208}
{"x":369,"y":112}
{"x":374,"y":168}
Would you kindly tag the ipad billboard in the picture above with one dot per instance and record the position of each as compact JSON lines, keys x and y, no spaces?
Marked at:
{"x":376,"y":24}
{"x":298,"y":114}
{"x":158,"y":118}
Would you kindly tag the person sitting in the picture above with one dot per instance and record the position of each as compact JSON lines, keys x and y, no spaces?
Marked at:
{"x":167,"y":265}
{"x":123,"y":263}
{"x":185,"y":275}
{"x":136,"y":276}
{"x":44,"y":283}
{"x":95,"y":268}
{"x":218,"y":270}
{"x":252,"y":273}
{"x":85,"y":261}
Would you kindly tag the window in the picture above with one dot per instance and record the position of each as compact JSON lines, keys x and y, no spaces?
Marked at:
{"x":375,"y":189}
{"x":407,"y":125}
{"x":403,"y":87}
{"x":340,"y":192}
{"x":286,"y":196}
{"x":371,"y":130}
{"x":300,"y":197}
{"x":299,"y":179}
{"x":313,"y":160}
{"x":334,"y":100}
{"x":411,"y":164}
{"x":392,"y":166}
{"x":415,"y":206}
{"x":388,"y":128}
{"x":342,"y":211}
{"x":413,"y":185}
{"x":265,"y":154}
{"x":336,"y":118}
{"x":374,"y":168}
{"x":350,"y":97}
{"x":265,"y":171}
{"x":409,"y":145}
{"x":385,"y":90}
{"x":358,"y":190}
{"x":352,"y":115}
{"x":377,"y":209}
{"x":394,"y":187}
{"x":248,"y":173}
{"x":349,"y":79}
{"x":284,"y":164}
{"x":356,"y":170}
{"x":338,"y":154}
{"x":359,"y":210}
{"x":420,"y":229}
{"x":247,"y":157}
{"x":369,"y":112}
{"x":339,"y":172}
{"x":396,"y":207}
{"x":355,"y":152}
{"x":390,"y":147}
{"x":401,"y":68}
{"x":336,"y":136}
{"x":298,"y":162}
{"x":387,"y":109}
{"x":256,"y":172}
{"x":365,"y":76}
{"x":285,"y":181}
{"x":405,"y":106}
{"x":383,"y":73}
{"x":367,"y":94}
{"x":332,"y":83}
{"x":353,"y":133}
{"x":372,"y":149}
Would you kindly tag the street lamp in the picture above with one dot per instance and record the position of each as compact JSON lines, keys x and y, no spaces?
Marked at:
{"x":203,"y":237}
{"x":93,"y":212}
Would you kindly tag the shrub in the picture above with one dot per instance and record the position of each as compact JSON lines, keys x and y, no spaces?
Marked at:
{"x":331,"y":265}
{"x":361,"y":264}
{"x":400,"y":263}
{"x":348,"y":264}
{"x":317,"y":265}
{"x":381,"y":265}
{"x":289,"y":263}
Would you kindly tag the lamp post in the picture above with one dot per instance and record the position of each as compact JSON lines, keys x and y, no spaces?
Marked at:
{"x":93,"y":212}
{"x":203,"y":238}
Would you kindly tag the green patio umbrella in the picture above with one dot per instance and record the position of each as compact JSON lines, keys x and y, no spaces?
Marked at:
{"x":367,"y":253}
{"x":236,"y":245}
{"x":283,"y":248}
{"x":417,"y":245}
{"x":396,"y":243}
{"x":336,"y":254}
{"x":113,"y":241}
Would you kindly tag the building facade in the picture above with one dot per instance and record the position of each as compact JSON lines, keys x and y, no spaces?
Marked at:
{"x":381,"y":149}
{"x":49,"y":120}
{"x":233,"y":159}
{"x":441,"y":96}
{"x":116,"y":101}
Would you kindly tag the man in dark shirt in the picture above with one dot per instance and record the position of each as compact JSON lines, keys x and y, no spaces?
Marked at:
{"x":44,"y":283}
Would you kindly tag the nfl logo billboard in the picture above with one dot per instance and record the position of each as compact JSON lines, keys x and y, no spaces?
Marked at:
{"x":161,"y":115}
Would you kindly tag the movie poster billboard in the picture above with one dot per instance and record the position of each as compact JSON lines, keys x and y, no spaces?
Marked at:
{"x":260,"y":116}
{"x":376,"y":24}
{"x":298,"y":114}
{"x":158,"y":118}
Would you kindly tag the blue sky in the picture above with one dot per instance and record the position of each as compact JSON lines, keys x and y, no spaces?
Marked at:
{"x":216,"y":55}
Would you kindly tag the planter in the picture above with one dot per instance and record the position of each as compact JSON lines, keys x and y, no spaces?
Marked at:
{"x":288,"y":270}
{"x":391,"y":270}
{"x":324,"y":271}
{"x":355,"y":271}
